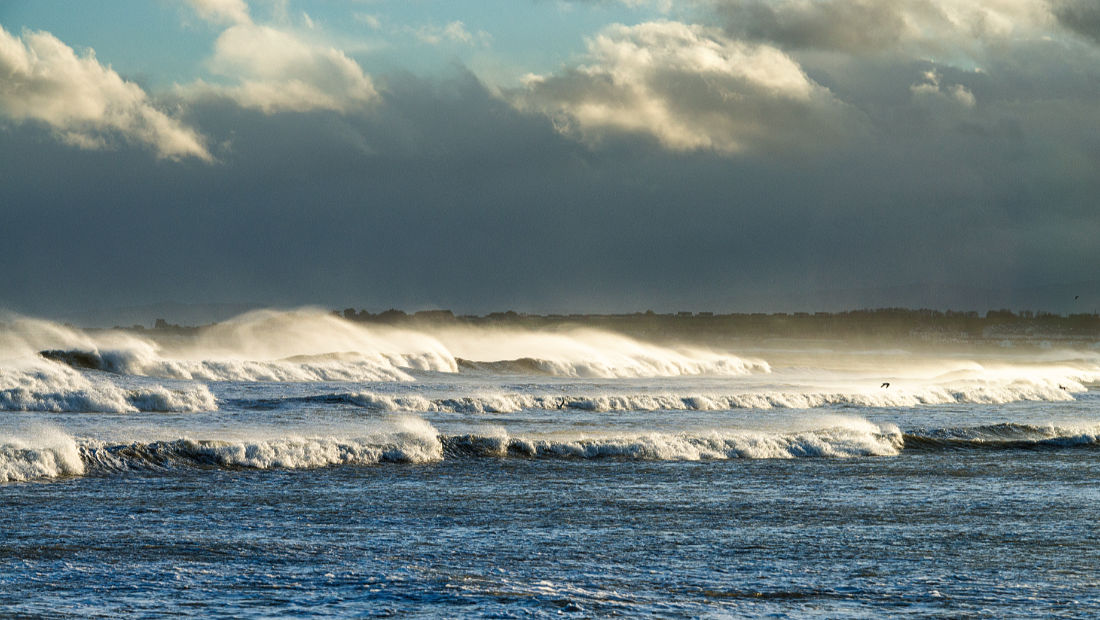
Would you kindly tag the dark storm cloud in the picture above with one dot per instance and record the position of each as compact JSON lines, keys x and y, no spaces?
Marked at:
{"x":447,"y":196}
{"x":833,"y":24}
{"x":786,"y":155}
{"x":1080,"y":16}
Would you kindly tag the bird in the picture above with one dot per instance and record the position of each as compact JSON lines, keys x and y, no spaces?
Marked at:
{"x":885,"y":384}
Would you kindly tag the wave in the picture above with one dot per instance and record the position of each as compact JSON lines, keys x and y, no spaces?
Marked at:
{"x":53,"y":454}
{"x":351,"y":366}
{"x":313,"y":345}
{"x":840,"y":442}
{"x":331,"y":367}
{"x":1004,"y":436}
{"x":46,"y":453}
{"x":55,"y":388}
{"x":415,"y":441}
{"x":412,"y":440}
{"x":514,"y":401}
{"x":636,"y":367}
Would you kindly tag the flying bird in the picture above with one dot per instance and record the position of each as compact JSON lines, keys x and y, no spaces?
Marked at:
{"x":885,"y":384}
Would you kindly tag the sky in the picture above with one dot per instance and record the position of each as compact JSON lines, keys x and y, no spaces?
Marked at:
{"x":550,"y":155}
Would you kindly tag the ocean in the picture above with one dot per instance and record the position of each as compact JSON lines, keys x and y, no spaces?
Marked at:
{"x":292,"y":464}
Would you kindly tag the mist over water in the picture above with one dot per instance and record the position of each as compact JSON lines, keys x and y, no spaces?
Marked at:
{"x":304,"y":398}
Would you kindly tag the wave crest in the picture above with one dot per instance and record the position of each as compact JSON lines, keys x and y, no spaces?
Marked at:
{"x":1005,"y":436}
{"x":47,"y":454}
{"x":509,"y":402}
{"x":840,"y":442}
{"x":57,"y":388}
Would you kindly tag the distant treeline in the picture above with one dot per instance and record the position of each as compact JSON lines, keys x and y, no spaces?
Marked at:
{"x":923,"y":324}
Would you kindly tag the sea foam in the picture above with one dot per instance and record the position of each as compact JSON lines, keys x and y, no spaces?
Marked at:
{"x":52,"y":387}
{"x":43,"y":453}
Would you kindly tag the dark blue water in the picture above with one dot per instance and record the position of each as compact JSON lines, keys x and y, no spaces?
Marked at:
{"x":976,"y":533}
{"x":292,"y":464}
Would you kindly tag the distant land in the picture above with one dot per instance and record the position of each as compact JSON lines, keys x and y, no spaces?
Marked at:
{"x":994,"y":328}
{"x":1065,"y":299}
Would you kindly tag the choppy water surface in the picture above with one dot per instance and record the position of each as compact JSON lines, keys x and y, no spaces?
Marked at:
{"x":288,"y":464}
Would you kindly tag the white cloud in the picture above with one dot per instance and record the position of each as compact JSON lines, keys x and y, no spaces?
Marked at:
{"x":222,"y":11}
{"x":86,"y":104}
{"x":688,"y":86}
{"x":276,"y":70}
{"x":454,"y":32}
{"x":372,"y":21}
{"x":931,"y":88}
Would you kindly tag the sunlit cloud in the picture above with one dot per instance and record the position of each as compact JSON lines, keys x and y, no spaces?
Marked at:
{"x":930,"y":87}
{"x":275,"y":69}
{"x":689,"y":86}
{"x":454,"y":32}
{"x":86,"y":104}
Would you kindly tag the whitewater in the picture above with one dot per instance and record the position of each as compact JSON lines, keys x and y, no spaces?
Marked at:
{"x":439,"y":469}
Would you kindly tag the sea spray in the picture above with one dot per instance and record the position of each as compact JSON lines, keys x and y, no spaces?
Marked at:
{"x":40,"y":452}
{"x":44,"y":386}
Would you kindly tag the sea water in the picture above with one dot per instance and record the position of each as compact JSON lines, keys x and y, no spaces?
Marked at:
{"x":296,"y":464}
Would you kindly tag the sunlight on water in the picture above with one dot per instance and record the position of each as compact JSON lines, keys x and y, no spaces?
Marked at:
{"x":437,"y":466}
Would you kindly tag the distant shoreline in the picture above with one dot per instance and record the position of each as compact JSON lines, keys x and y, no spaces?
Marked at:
{"x":994,"y":327}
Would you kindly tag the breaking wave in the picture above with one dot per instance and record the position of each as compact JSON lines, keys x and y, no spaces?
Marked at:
{"x":331,"y":367}
{"x":47,"y":453}
{"x":312,"y":345}
{"x":1006,"y":436}
{"x":510,"y":402}
{"x":415,"y":442}
{"x":56,"y":388}
{"x":851,"y":440}
{"x":352,"y":366}
{"x":53,"y":454}
{"x":634,"y":367}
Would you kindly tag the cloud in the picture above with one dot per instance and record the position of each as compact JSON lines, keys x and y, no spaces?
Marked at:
{"x":933,"y":68}
{"x":689,"y":86}
{"x":1080,"y":16}
{"x":453,"y":32}
{"x":278,"y":71}
{"x":222,"y":11}
{"x":445,"y":196}
{"x":86,"y":104}
{"x":931,"y":88}
{"x":869,"y":25}
{"x":371,"y":20}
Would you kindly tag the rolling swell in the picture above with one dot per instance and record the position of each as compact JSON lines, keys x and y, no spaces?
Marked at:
{"x":507,"y":402}
{"x":334,"y":367}
{"x":717,"y":445}
{"x":631,"y":366}
{"x":55,"y":388}
{"x":521,"y":366}
{"x":281,"y":453}
{"x":387,"y":367}
{"x":55,"y":454}
{"x":413,"y":441}
{"x":1002,"y":437}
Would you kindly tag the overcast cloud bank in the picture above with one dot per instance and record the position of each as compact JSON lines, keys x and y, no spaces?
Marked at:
{"x":735,"y":153}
